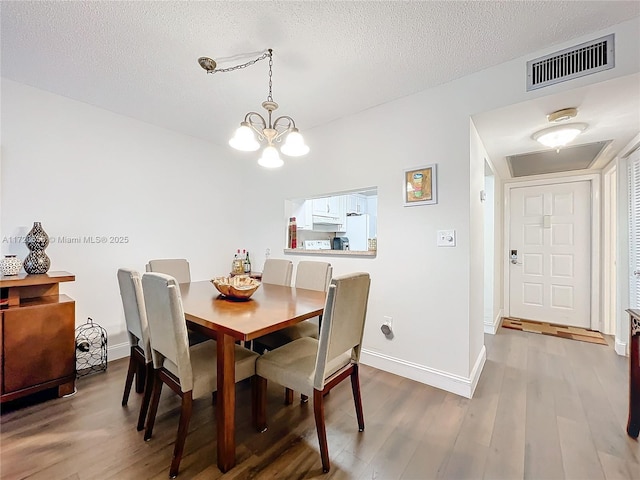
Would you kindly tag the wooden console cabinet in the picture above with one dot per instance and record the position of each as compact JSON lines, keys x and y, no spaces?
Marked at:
{"x":37,"y":337}
{"x":633,"y":425}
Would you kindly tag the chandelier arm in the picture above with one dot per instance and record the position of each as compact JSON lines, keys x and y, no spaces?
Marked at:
{"x":254,"y":118}
{"x":290,"y":123}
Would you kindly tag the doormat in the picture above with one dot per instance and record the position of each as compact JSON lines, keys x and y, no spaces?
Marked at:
{"x":573,"y":333}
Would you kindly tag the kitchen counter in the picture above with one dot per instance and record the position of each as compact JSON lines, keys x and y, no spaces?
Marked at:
{"x":331,"y":253}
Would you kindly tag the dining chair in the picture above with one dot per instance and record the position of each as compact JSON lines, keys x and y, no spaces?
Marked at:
{"x":277,"y":272}
{"x":310,"y":275}
{"x":314,"y":367}
{"x":190,"y":372}
{"x":140,"y":362}
{"x":178,"y":268}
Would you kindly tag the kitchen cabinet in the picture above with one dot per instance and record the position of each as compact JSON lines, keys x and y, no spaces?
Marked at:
{"x":330,"y":211}
{"x":325,"y":207}
{"x":356,"y":203}
{"x":37,"y":339}
{"x":304,"y":215}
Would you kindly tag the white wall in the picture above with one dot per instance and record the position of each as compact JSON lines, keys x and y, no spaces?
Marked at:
{"x":492,"y":251}
{"x":83,"y":171}
{"x":477,"y":154}
{"x":75,"y":168}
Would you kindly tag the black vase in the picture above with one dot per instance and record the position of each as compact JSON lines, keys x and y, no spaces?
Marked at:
{"x":37,"y":238}
{"x":37,"y":261}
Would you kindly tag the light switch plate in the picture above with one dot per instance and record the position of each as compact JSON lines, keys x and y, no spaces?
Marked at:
{"x":446,"y":238}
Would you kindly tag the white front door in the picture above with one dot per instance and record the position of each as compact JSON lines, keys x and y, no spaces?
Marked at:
{"x":550,"y":253}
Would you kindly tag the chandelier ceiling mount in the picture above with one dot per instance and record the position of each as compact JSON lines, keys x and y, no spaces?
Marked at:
{"x":266,"y":129}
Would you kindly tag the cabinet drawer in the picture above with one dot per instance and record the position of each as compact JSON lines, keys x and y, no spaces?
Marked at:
{"x":38,"y":344}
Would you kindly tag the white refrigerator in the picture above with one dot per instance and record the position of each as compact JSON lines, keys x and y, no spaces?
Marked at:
{"x":358,"y":232}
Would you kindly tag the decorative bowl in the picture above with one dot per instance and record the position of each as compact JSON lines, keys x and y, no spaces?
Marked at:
{"x":239,"y":287}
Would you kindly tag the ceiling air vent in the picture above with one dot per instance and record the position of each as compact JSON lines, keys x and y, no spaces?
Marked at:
{"x":573,"y":62}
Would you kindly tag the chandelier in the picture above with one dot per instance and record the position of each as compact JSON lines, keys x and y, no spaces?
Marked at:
{"x":266,"y":129}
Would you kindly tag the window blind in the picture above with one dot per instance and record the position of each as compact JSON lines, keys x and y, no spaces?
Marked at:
{"x":634,"y":230}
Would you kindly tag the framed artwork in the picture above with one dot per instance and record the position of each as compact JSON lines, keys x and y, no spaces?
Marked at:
{"x":419,"y":186}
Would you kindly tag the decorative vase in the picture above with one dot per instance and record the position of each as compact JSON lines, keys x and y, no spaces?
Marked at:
{"x":37,"y":261}
{"x":37,"y":238}
{"x":10,"y":265}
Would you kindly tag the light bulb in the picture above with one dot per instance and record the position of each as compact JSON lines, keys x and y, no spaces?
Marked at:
{"x":244,"y":139}
{"x":559,"y":136}
{"x":270,"y":158}
{"x":294,"y":145}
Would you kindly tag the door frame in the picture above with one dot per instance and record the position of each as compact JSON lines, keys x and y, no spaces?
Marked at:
{"x":595,"y":181}
{"x":610,"y":248}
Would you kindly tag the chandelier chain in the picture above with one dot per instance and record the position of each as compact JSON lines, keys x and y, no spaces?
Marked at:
{"x":243,"y":65}
{"x":270,"y":97}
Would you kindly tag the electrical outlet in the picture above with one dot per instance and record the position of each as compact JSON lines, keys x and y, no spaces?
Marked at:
{"x":446,"y":238}
{"x":387,"y":327}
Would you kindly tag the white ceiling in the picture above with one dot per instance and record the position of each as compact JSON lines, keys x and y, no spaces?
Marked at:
{"x":331,"y":59}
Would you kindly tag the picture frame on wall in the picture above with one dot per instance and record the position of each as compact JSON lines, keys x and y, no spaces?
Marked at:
{"x":419,"y":185}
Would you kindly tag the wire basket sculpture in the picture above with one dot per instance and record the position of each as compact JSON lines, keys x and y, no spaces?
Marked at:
{"x":91,"y":349}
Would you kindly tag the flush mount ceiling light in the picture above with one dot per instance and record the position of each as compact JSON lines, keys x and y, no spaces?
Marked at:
{"x":267,"y":130}
{"x":559,"y":135}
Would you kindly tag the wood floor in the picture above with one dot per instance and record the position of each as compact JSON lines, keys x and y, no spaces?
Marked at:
{"x":545,"y":408}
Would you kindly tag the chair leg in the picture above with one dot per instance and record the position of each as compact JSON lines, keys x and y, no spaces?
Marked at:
{"x":288,"y":396}
{"x":141,"y":377}
{"x":259,"y":402}
{"x":148,"y":388}
{"x":303,"y":398}
{"x":355,"y":387}
{"x":127,"y":383}
{"x":153,"y":407}
{"x":183,"y":429}
{"x":318,"y":410}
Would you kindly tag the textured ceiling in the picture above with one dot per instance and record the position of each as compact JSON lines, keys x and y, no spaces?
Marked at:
{"x":331,"y":59}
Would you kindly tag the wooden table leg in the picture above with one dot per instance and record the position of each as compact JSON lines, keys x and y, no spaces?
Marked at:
{"x":633,"y":425}
{"x":226,"y":402}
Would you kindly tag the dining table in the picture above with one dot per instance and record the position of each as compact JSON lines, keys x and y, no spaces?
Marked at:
{"x":270,"y":308}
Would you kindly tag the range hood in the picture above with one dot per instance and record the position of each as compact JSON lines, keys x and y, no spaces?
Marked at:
{"x":322,"y":220}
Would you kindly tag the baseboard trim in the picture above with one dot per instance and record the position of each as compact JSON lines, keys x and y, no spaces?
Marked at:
{"x":450,"y":382}
{"x":120,"y":350}
{"x":620,"y":348}
{"x":492,"y":327}
{"x":477,"y":369}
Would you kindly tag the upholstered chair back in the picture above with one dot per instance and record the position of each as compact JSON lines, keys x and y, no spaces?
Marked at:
{"x":178,"y":268}
{"x":313,"y":275}
{"x":277,"y":272}
{"x":167,"y":326}
{"x":342,"y":324}
{"x":134,"y":310}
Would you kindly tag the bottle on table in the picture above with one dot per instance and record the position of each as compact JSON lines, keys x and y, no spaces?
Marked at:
{"x":294,"y":233}
{"x":236,"y":266}
{"x":247,"y":264}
